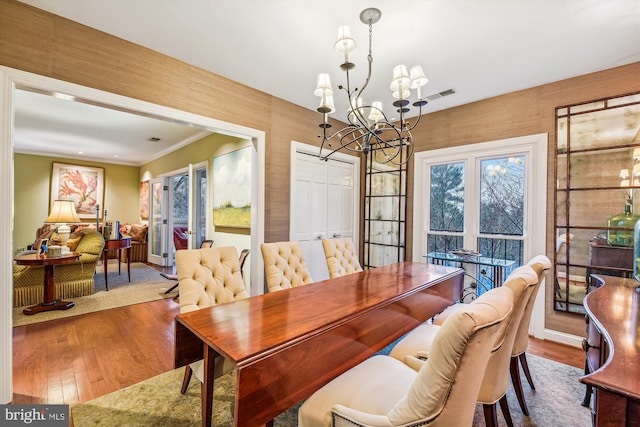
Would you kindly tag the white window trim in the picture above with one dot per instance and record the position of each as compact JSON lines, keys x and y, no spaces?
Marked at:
{"x":536,"y":186}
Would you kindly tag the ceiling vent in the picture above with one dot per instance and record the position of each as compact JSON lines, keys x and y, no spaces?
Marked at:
{"x":441,"y":94}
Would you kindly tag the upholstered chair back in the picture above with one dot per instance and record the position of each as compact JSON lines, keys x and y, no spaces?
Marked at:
{"x":341,"y":256}
{"x":284,"y":265}
{"x":540,"y":264}
{"x":447,"y":385}
{"x":522,"y":282}
{"x":208,"y":277}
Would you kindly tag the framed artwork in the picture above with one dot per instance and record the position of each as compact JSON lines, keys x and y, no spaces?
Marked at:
{"x":82,"y":184}
{"x":232,"y":189}
{"x":144,"y":200}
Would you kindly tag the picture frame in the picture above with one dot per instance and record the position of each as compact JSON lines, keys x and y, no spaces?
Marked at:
{"x":82,"y":184}
{"x":232,"y":189}
{"x":42,"y":248}
{"x":144,"y":200}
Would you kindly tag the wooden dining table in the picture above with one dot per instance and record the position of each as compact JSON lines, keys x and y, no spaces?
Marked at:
{"x":286,"y":345}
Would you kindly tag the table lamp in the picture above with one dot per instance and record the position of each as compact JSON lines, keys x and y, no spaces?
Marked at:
{"x":62,"y":213}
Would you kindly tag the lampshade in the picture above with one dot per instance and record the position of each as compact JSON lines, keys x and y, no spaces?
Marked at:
{"x":624,"y":173}
{"x":323,"y":86}
{"x":376,"y":112}
{"x":636,"y":152}
{"x":401,"y":81}
{"x":418,"y":79}
{"x":326,"y":104}
{"x":344,"y":42}
{"x":62,"y":211}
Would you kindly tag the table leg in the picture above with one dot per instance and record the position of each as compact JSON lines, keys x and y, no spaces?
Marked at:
{"x":105,"y":262}
{"x":119,"y":250}
{"x":128,"y":252}
{"x":497,"y":277}
{"x":49,"y":298}
{"x":206,"y":394}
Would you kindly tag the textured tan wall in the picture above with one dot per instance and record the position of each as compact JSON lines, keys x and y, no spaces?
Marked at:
{"x":36,"y":41}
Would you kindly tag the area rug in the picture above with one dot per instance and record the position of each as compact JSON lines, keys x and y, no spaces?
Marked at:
{"x":146,"y":285}
{"x":158,"y":402}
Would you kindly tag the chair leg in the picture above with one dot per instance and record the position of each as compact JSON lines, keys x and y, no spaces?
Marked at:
{"x":525,"y":368}
{"x":514,"y":368}
{"x":504,"y":405}
{"x":490,"y":415}
{"x":168,"y":291}
{"x":187,"y":377}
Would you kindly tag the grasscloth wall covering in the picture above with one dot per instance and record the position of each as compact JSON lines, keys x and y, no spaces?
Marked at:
{"x":42,"y":43}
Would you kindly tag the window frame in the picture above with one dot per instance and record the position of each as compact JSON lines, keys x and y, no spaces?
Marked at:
{"x":535,"y":148}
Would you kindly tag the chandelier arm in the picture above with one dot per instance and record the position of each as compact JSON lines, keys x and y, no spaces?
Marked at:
{"x":348,"y":131}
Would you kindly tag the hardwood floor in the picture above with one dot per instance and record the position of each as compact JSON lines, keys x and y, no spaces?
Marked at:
{"x":79,"y":358}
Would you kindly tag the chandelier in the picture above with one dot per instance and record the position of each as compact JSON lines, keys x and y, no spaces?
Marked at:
{"x":368,"y":129}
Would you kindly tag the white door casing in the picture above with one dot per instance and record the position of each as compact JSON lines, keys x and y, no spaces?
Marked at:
{"x":10,"y":79}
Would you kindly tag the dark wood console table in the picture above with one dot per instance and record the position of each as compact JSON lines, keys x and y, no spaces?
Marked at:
{"x":612,"y":347}
{"x":49,"y":301}
{"x":113,"y":244}
{"x":287,"y":344}
{"x":609,"y":260}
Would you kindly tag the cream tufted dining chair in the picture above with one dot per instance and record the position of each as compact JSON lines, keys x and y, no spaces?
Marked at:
{"x":341,"y":256}
{"x":382,"y":391}
{"x":208,"y":277}
{"x":284,"y":265}
{"x":540,"y":264}
{"x":418,"y":343}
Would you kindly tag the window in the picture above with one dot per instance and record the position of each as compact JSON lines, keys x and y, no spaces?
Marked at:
{"x":489,"y":197}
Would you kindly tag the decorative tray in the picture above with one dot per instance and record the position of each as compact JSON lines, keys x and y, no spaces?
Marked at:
{"x":465,"y":253}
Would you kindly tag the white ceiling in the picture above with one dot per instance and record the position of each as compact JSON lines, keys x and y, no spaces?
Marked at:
{"x":479,"y":48}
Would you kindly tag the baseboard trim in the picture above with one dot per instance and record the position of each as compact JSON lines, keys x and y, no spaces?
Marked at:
{"x":563,"y":338}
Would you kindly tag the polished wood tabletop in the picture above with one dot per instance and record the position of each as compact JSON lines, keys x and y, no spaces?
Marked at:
{"x":614,"y":307}
{"x":288,"y":344}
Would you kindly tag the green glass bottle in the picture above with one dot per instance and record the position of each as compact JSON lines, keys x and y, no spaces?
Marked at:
{"x":624,"y":220}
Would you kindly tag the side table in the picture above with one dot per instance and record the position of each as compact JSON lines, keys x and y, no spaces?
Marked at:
{"x":49,"y":301}
{"x":118,"y":244}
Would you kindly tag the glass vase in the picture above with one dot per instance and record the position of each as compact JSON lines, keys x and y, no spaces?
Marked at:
{"x":625,"y":220}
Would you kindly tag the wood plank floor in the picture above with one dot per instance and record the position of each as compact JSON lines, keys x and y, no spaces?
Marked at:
{"x":76,"y":359}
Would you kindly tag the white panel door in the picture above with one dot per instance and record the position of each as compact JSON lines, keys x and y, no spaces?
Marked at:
{"x":323,"y":207}
{"x":157,"y":235}
{"x":311,"y":212}
{"x":340,"y":199}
